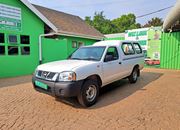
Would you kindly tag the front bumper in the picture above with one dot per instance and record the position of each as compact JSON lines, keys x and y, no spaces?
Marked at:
{"x":59,"y":89}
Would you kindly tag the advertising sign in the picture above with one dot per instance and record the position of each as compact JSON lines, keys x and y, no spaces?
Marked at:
{"x":154,"y":43}
{"x":10,"y":18}
{"x":140,"y":35}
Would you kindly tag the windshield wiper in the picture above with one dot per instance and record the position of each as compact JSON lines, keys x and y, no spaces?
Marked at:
{"x":75,"y":59}
{"x":91,"y":59}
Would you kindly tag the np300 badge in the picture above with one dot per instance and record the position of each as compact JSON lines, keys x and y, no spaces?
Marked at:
{"x":45,"y":74}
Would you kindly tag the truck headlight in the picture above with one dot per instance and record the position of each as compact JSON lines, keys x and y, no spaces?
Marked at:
{"x":36,"y":72}
{"x":67,"y":76}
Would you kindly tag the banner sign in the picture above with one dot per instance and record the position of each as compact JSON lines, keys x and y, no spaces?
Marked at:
{"x":10,"y":18}
{"x":140,"y":35}
{"x":154,"y":43}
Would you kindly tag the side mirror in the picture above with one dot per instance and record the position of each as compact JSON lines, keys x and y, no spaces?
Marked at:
{"x":108,"y":58}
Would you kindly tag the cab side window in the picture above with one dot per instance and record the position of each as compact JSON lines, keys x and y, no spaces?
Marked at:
{"x":111,"y":55}
{"x":128,"y":49}
{"x":137,"y":48}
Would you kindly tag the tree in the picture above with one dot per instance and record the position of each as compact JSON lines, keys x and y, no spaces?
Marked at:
{"x":126,"y":22}
{"x":100,"y":22}
{"x":106,"y":26}
{"x":154,"y":22}
{"x":88,"y":20}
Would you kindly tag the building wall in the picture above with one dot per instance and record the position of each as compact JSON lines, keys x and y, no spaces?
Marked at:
{"x":31,"y":25}
{"x":52,"y":49}
{"x":115,"y":38}
{"x":170,"y":50}
{"x":61,"y":47}
{"x":84,"y":41}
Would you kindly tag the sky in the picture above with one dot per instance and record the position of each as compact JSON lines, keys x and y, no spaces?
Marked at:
{"x":112,"y":8}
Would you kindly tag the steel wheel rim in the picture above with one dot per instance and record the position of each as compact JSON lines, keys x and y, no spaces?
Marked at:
{"x":91,"y":93}
{"x":135,"y":75}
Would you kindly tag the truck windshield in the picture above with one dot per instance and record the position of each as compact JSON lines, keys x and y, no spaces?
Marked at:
{"x":88,"y":53}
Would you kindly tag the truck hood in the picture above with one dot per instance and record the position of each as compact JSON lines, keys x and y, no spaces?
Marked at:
{"x":64,"y":65}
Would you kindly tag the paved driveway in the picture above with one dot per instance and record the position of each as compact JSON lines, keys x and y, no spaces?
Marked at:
{"x":152,"y":103}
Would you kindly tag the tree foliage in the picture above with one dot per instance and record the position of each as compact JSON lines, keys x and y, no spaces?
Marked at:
{"x":88,"y":20}
{"x":100,"y":22}
{"x":154,"y":22}
{"x":118,"y":25}
{"x":106,"y":26}
{"x":126,"y":22}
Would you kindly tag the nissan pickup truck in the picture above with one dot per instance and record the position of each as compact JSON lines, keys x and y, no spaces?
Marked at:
{"x":89,"y":69}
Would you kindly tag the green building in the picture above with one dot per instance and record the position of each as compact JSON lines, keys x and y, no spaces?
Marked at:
{"x":31,"y":34}
{"x":116,"y":36}
{"x":170,"y":48}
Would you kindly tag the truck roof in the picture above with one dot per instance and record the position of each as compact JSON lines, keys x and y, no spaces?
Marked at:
{"x":111,"y":42}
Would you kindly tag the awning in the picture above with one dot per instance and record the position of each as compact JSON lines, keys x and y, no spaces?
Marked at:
{"x":172,"y":17}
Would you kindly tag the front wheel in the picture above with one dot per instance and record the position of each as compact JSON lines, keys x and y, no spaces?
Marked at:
{"x":134,"y":75}
{"x":89,"y":93}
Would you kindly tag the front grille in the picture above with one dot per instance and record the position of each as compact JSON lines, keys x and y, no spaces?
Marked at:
{"x":45,"y":75}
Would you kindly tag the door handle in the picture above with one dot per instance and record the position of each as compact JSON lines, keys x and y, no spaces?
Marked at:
{"x":120,"y":63}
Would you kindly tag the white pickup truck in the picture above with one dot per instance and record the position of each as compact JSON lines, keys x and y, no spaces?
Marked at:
{"x":88,"y":69}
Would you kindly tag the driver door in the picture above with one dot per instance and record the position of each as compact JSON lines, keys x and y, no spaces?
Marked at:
{"x":111,"y":65}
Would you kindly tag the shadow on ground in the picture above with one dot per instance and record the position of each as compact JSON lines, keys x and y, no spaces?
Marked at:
{"x":109,"y":94}
{"x":118,"y":91}
{"x":8,"y":82}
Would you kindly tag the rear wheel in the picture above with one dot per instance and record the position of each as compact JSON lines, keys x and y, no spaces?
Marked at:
{"x":134,"y":75}
{"x":89,"y":93}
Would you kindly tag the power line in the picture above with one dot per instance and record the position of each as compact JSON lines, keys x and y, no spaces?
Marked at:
{"x":113,"y":2}
{"x":160,"y":10}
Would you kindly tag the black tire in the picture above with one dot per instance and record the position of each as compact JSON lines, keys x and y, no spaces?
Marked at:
{"x":134,"y":75}
{"x":83,"y":97}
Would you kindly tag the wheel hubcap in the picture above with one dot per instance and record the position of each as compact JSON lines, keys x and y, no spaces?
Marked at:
{"x":91,"y":93}
{"x":135,"y":75}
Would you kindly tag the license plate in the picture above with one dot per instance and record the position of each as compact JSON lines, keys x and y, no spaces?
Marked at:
{"x":41,"y":85}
